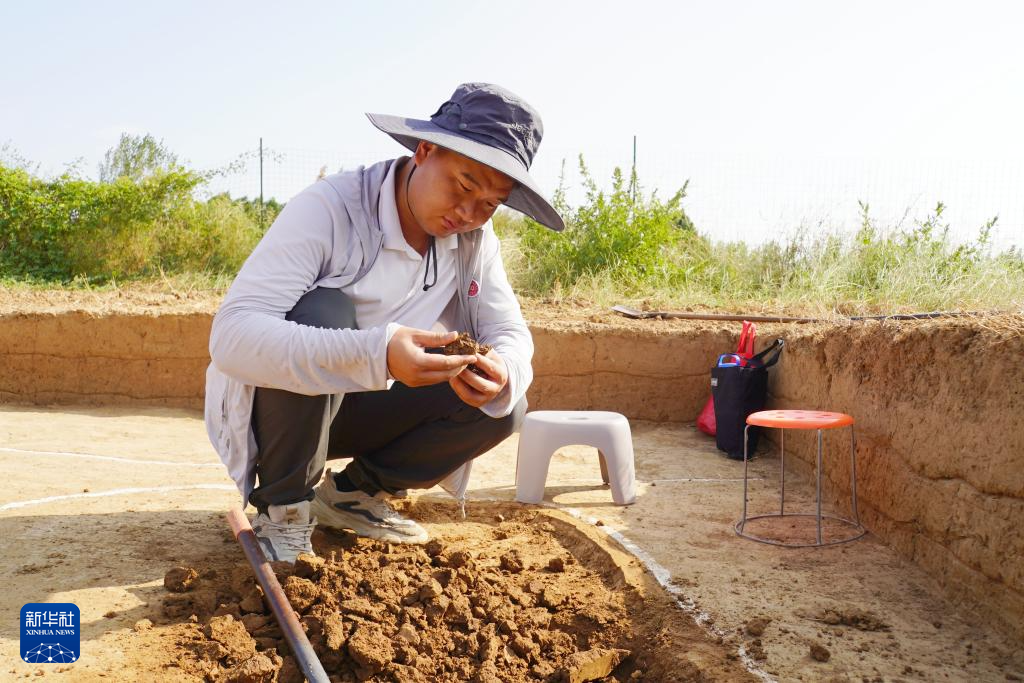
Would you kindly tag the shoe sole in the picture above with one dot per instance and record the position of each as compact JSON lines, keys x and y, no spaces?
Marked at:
{"x":325,"y":513}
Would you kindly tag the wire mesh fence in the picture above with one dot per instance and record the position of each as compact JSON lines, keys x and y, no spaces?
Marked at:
{"x":731,"y":197}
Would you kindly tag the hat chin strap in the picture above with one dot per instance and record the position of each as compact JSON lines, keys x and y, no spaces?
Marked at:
{"x":431,"y":248}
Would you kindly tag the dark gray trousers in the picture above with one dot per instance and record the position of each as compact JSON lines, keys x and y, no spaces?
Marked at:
{"x":402,"y":438}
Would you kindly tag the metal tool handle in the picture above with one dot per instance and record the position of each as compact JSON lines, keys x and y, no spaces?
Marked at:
{"x":305,"y":657}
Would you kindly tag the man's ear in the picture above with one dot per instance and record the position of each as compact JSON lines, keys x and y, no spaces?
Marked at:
{"x":424,"y":150}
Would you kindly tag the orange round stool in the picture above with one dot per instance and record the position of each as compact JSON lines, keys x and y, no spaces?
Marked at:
{"x":802,"y":419}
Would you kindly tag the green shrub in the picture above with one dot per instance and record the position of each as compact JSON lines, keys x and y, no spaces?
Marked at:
{"x":623,"y":235}
{"x":626,"y":246}
{"x":69,"y":228}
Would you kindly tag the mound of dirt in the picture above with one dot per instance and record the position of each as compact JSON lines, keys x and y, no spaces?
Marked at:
{"x":506,"y":603}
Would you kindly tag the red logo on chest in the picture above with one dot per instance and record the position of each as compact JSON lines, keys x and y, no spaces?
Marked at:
{"x":474,"y":288}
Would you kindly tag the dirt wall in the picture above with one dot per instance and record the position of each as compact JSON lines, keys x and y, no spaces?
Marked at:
{"x":161,"y":359}
{"x":102,"y":359}
{"x":940,"y":426}
{"x":939,"y":409}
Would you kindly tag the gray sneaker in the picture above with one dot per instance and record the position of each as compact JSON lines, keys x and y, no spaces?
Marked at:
{"x":366,"y":515}
{"x":284,"y":531}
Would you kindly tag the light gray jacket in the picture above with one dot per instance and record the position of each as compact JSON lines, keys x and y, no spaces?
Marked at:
{"x":329,"y":235}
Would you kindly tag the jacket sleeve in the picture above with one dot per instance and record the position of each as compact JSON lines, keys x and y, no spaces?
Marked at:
{"x":500,"y":323}
{"x":252,"y":342}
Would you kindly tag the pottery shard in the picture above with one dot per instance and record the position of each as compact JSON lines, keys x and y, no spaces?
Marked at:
{"x":592,"y":665}
{"x":301,"y":592}
{"x":180,"y":579}
{"x":256,"y":669}
{"x":231,"y":634}
{"x":370,"y":648}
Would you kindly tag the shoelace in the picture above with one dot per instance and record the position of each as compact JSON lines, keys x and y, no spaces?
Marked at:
{"x":382,"y":509}
{"x":293,"y":537}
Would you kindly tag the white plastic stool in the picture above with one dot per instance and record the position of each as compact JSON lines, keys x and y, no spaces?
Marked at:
{"x":545,"y":431}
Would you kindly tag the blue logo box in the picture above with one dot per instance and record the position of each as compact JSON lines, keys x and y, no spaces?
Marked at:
{"x":51,"y":632}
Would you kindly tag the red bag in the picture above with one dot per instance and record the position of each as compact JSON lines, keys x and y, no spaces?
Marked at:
{"x":745,"y":350}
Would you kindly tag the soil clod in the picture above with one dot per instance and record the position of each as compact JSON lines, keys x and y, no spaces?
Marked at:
{"x":592,"y":665}
{"x":180,"y":579}
{"x":757,"y":625}
{"x":820,"y":653}
{"x":465,"y":345}
{"x":238,"y":645}
{"x":464,"y":608}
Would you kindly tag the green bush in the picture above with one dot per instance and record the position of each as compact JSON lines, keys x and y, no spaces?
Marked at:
{"x":627,"y":246}
{"x":69,"y":228}
{"x":624,"y":235}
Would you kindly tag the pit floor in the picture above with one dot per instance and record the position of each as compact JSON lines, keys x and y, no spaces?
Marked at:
{"x":89,"y":494}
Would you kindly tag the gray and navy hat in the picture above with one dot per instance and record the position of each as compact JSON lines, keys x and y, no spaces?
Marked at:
{"x":491,"y":125}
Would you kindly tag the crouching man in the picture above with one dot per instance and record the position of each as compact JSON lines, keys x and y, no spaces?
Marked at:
{"x":326,"y":343}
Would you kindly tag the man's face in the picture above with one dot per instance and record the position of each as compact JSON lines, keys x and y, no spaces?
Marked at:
{"x":450,"y":193}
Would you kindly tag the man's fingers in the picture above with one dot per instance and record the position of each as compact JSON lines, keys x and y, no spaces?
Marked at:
{"x":439,"y":361}
{"x":490,"y":367}
{"x":429,"y":339}
{"x":434,"y":377}
{"x":468,"y":394}
{"x":479,"y":383}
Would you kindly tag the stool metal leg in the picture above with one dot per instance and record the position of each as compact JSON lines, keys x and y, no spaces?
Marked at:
{"x":818,"y":515}
{"x":818,"y":486}
{"x":853,"y":474}
{"x":743,"y":521}
{"x":782,"y":451}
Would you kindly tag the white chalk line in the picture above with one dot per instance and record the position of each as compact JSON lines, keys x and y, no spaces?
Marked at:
{"x":112,"y":458}
{"x":115,"y":492}
{"x":662,"y":575}
{"x":701,"y":480}
{"x":683,"y":480}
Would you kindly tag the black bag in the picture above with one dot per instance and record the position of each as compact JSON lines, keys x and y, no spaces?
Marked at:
{"x":738,"y":391}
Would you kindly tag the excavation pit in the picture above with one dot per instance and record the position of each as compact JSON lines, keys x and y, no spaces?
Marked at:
{"x":510,"y":594}
{"x":117,"y":484}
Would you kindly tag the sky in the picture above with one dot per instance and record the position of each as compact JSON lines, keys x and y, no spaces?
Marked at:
{"x":780,"y":115}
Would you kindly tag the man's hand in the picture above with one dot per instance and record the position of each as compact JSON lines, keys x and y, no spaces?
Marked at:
{"x":414,"y":367}
{"x":476,"y":390}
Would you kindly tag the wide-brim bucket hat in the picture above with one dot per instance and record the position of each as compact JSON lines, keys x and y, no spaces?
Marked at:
{"x":491,"y":125}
